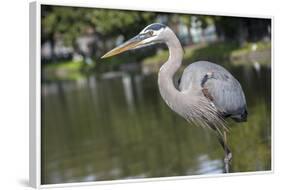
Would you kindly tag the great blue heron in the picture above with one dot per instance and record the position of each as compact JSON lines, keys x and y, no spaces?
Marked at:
{"x":207,"y":93}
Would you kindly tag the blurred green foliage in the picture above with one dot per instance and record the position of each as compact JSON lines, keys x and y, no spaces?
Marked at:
{"x":73,"y":21}
{"x":234,"y":36}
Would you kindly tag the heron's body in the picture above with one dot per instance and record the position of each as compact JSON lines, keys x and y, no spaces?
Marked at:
{"x":207,"y":93}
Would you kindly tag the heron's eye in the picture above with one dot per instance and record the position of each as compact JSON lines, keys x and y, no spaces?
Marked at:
{"x":150,"y":33}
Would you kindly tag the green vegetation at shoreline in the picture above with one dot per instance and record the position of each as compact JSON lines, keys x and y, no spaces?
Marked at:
{"x":216,"y":52}
{"x":63,"y":70}
{"x":71,"y":65}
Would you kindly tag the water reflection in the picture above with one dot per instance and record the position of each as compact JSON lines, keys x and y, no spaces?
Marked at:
{"x":118,"y":127}
{"x":206,"y":165}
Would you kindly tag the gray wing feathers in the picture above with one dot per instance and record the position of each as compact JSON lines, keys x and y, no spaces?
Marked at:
{"x":226,"y":91}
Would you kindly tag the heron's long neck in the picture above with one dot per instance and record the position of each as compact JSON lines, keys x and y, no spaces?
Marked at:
{"x":167,"y":88}
{"x":193,"y":108}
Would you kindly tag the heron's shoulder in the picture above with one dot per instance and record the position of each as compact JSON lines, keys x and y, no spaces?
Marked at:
{"x":195,"y":73}
{"x":204,"y":66}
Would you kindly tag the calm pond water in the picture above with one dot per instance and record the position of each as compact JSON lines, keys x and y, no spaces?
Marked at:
{"x":118,"y":127}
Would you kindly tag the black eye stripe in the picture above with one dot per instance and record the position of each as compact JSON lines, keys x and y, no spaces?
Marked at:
{"x":155,"y":27}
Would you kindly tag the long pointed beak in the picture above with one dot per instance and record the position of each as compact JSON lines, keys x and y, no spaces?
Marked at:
{"x":130,"y":44}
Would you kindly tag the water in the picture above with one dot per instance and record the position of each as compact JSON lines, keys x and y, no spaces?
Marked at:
{"x":118,"y":127}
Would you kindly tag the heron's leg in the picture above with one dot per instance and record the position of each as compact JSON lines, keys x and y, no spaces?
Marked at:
{"x":227,"y":152}
{"x":223,"y":142}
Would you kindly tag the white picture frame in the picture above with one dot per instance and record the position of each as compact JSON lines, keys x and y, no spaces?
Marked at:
{"x":35,"y":96}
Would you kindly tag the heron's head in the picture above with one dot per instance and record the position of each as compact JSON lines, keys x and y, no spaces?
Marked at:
{"x":149,"y":35}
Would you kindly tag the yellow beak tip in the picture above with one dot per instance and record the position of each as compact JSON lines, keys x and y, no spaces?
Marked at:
{"x":105,"y":56}
{"x":120,"y":49}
